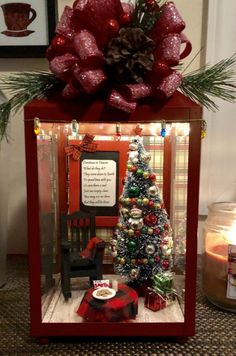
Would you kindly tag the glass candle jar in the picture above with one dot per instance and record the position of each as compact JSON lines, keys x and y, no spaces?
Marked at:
{"x":219,"y":258}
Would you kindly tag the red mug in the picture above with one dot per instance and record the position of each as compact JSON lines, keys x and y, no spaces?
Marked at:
{"x":17,"y":16}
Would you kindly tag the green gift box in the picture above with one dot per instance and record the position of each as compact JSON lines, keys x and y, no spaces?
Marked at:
{"x":162,"y":283}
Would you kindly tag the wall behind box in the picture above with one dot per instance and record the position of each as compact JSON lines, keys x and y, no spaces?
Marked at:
{"x":16,"y":221}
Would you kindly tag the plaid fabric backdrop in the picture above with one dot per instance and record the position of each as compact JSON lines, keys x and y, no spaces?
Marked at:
{"x":155,"y":145}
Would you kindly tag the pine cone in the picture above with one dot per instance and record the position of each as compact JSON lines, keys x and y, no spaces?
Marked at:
{"x":129,"y":56}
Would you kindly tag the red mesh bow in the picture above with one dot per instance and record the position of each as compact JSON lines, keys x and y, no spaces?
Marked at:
{"x":76,"y":54}
{"x":86,"y":145}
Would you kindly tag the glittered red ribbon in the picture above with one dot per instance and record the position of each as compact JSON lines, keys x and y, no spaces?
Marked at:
{"x":76,"y":53}
{"x":86,"y":145}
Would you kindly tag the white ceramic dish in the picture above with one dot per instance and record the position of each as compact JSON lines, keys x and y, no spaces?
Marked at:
{"x":100,"y":293}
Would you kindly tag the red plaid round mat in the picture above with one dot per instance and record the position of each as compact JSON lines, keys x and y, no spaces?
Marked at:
{"x":123,"y":306}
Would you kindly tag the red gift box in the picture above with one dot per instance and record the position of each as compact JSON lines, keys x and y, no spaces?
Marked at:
{"x":154,"y":301}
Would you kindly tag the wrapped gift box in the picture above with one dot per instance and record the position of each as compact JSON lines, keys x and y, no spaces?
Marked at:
{"x":154,"y":301}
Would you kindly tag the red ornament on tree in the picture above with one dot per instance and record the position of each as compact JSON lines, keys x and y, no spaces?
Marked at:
{"x":151,"y":203}
{"x":137,"y":233}
{"x":165,"y":264}
{"x":133,"y":201}
{"x":152,"y":176}
{"x":134,"y":169}
{"x":150,"y":220}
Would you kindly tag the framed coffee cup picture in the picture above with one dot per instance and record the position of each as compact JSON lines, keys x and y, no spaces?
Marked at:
{"x":26,"y":27}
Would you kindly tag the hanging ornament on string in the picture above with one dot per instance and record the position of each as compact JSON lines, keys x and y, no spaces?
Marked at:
{"x":163,"y":129}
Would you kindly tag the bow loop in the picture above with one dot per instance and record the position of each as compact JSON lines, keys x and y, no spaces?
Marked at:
{"x":86,"y":145}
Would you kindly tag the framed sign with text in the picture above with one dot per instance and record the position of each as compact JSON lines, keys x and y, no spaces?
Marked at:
{"x":99,"y":181}
{"x":95,"y":181}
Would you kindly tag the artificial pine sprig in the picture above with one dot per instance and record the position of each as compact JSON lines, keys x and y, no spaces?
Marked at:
{"x":5,"y":110}
{"x":217,"y":81}
{"x":145,"y":18}
{"x":24,"y":87}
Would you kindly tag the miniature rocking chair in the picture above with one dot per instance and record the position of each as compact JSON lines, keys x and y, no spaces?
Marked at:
{"x":81,"y":252}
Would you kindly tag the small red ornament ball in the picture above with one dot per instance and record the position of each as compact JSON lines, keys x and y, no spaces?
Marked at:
{"x":137,"y":233}
{"x":58,"y":42}
{"x":133,"y":201}
{"x":151,"y":203}
{"x":134,"y":169}
{"x":150,"y":2}
{"x":113,"y":26}
{"x":150,"y":220}
{"x":152,"y":176}
{"x":165,"y":264}
{"x":125,"y":19}
{"x":157,"y":258}
{"x":151,"y":5}
{"x":161,"y":68}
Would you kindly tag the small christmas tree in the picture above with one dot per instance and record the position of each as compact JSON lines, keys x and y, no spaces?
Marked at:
{"x":142,"y":242}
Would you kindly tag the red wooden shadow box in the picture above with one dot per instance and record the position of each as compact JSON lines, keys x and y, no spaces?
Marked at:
{"x":55,"y":116}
